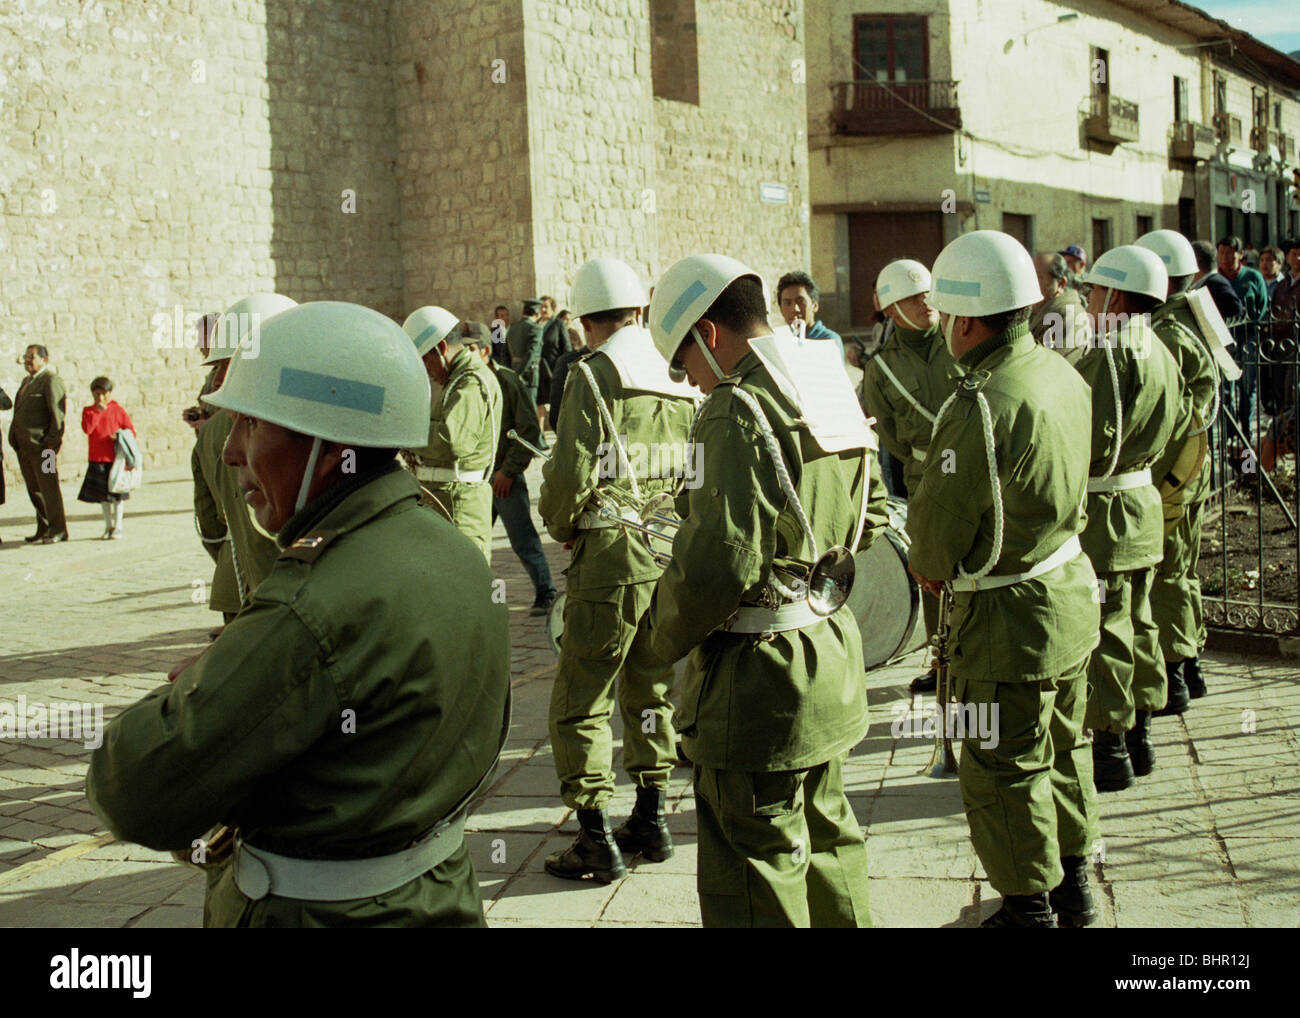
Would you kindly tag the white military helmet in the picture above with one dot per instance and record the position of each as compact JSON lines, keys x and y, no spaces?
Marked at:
{"x":428,"y":326}
{"x":240,"y":324}
{"x":900,"y":280}
{"x":688,"y":289}
{"x":1173,"y":249}
{"x":335,"y":371}
{"x":1131,"y":269}
{"x":984,"y":273}
{"x":605,"y":284}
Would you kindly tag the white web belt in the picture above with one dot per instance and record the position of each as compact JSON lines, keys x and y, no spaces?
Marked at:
{"x":1070,"y":550}
{"x":1120,"y":482}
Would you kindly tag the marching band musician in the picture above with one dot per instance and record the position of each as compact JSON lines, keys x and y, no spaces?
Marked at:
{"x":1176,"y":590}
{"x":904,"y":385}
{"x":344,"y":721}
{"x":1137,"y":406}
{"x":773,"y":697}
{"x":998,"y":514}
{"x":618,"y":400}
{"x":464,"y":422}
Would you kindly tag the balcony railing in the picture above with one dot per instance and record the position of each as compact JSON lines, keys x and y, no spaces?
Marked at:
{"x":1190,"y":141}
{"x":1113,"y":120}
{"x":896,"y":107}
{"x":1227,"y":127}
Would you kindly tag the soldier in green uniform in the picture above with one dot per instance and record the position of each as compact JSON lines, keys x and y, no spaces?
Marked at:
{"x":1137,"y":405}
{"x":620,"y":417}
{"x":344,"y":720}
{"x":904,"y":385}
{"x":243,"y":556}
{"x":773,"y":697}
{"x":998,"y":515}
{"x":456,"y":464}
{"x":1176,"y":590}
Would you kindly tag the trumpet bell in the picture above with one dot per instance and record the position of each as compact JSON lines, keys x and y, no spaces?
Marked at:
{"x":831,"y":581}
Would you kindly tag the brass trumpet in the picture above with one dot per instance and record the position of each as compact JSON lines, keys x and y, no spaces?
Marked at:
{"x":943,"y":762}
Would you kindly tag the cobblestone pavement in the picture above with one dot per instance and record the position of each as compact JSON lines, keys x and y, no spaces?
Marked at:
{"x":1207,"y":840}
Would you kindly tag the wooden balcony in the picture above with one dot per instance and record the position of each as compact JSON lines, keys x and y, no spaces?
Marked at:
{"x":1259,"y":138}
{"x":1113,"y":120}
{"x":895,"y":107}
{"x":1191,"y":142}
{"x":1227,"y":128}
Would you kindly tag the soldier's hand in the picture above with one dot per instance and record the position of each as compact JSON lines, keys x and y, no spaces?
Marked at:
{"x":502,"y":483}
{"x":176,"y":670}
{"x":934,"y":587}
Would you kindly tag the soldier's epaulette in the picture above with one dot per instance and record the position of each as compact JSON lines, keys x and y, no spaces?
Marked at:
{"x":972,"y":383}
{"x":309,"y":547}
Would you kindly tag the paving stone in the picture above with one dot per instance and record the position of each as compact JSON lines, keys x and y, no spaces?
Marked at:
{"x":926,"y":903}
{"x":541,"y":896}
{"x":657,"y":897}
{"x":170,"y":917}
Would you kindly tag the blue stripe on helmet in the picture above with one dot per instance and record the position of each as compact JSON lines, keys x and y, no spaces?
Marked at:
{"x":1109,"y":273}
{"x":957,"y":287}
{"x":688,"y":297}
{"x":331,"y":390}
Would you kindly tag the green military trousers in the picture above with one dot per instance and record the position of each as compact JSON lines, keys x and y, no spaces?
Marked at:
{"x":470,"y":509}
{"x":1030,"y":799}
{"x":780,"y":848}
{"x":1126,"y":672}
{"x":598,"y":631}
{"x":445,"y":896}
{"x":1176,"y":591}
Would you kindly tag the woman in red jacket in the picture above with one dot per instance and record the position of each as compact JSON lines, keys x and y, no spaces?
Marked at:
{"x":101,"y":421}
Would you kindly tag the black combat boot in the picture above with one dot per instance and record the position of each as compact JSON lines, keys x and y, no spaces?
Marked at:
{"x":1178,"y":695}
{"x":594,"y":853}
{"x":1192,"y":676}
{"x":646,"y":830}
{"x":1071,"y":899}
{"x":926,"y":683}
{"x":1138,"y":742}
{"x":1112,"y":771}
{"x":1022,"y":911}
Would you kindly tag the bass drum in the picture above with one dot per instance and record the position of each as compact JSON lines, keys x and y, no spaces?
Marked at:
{"x":885,"y":599}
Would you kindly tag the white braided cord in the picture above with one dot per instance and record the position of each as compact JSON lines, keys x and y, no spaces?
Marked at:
{"x":608,"y":420}
{"x":986,"y":419}
{"x":1119,"y":406}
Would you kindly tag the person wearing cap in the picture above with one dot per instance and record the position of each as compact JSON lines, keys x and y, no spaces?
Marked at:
{"x":1076,"y":260}
{"x":456,"y":463}
{"x":1059,"y":320}
{"x":524,"y":341}
{"x":904,"y":386}
{"x":1176,"y":586}
{"x":344,"y":721}
{"x":998,"y":517}
{"x":510,"y":498}
{"x":618,"y":405}
{"x":1138,"y":405}
{"x":243,"y":555}
{"x":772,"y":699}
{"x":36,"y":435}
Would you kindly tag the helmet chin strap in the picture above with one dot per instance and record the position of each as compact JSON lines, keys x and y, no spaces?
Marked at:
{"x":947,"y":333}
{"x":708,"y":354}
{"x":307,"y":475}
{"x":898,"y":309}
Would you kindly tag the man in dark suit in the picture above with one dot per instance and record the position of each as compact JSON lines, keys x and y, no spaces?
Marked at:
{"x":525,"y":342}
{"x":36,"y":435}
{"x":1208,"y":275}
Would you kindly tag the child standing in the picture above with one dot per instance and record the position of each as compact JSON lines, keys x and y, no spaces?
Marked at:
{"x":101,"y":421}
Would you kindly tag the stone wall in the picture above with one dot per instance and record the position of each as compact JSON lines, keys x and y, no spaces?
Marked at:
{"x":459,"y":81}
{"x":748,"y":129}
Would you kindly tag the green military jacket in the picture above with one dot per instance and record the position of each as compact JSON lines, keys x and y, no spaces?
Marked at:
{"x":584,"y":458}
{"x":911,"y":368}
{"x":524,"y":341}
{"x":342,"y":715}
{"x":797,"y":699}
{"x":1126,"y":528}
{"x":1174,"y":323}
{"x":221,"y":510}
{"x":519,"y":413}
{"x":40,"y":410}
{"x":1039,"y":628}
